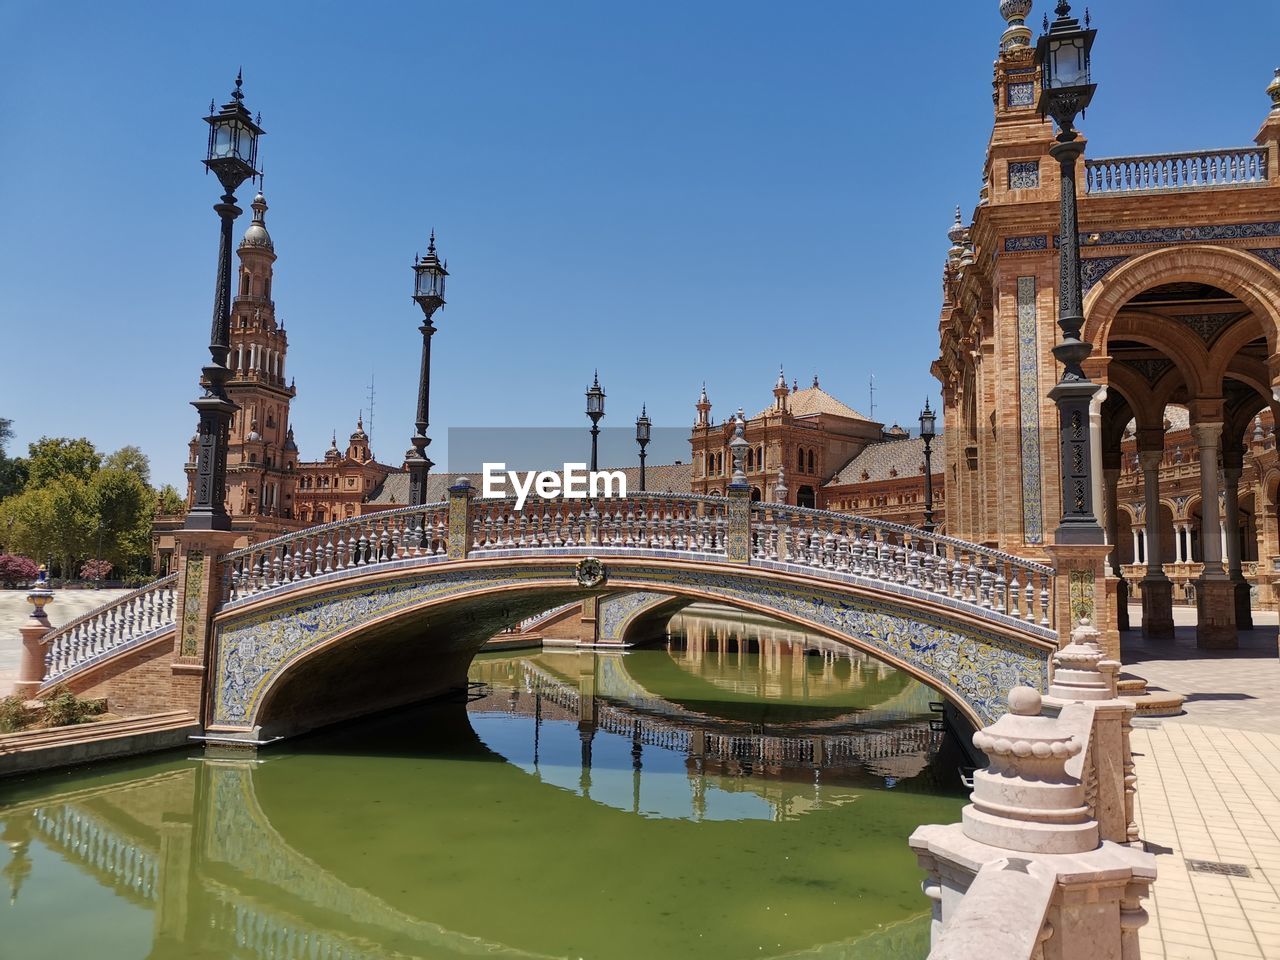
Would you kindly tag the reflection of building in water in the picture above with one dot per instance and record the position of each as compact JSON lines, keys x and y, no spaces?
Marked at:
{"x":566,"y":693}
{"x":721,"y":646}
{"x":194,"y":847}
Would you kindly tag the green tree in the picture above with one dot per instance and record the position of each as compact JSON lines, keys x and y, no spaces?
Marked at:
{"x":56,"y":520}
{"x":124,"y":506}
{"x":52,"y":458}
{"x":169,"y":502}
{"x":13,"y":470}
{"x":132,"y":459}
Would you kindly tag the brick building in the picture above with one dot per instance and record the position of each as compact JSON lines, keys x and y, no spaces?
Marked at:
{"x":1181,"y":273}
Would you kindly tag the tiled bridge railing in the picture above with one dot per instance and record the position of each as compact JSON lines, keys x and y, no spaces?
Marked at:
{"x":1164,"y":172}
{"x":877,"y":555}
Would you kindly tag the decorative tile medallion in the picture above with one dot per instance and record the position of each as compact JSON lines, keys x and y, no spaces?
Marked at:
{"x":191,"y":606}
{"x":1021,"y":94}
{"x":1080,"y":598}
{"x":1024,"y":174}
{"x":1020,"y":244}
{"x":619,"y":609}
{"x":1029,"y":411}
{"x":972,"y":664}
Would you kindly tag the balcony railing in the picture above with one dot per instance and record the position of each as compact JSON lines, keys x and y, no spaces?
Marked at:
{"x":1166,"y":172}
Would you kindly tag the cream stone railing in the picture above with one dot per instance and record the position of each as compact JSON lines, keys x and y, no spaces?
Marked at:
{"x":122,"y":623}
{"x":1198,"y":170}
{"x":1045,"y":861}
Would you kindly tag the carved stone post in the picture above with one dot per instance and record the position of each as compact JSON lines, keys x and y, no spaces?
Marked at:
{"x":31,"y":670}
{"x":1117,"y":589}
{"x":459,"y":519}
{"x":1025,"y":873}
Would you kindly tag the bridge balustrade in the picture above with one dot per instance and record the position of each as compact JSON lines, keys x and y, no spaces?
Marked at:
{"x":906,"y":556}
{"x":106,"y":629}
{"x":725,"y":530}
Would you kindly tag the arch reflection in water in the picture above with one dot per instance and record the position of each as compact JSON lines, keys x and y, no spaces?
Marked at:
{"x":743,"y":718}
{"x":508,"y":826}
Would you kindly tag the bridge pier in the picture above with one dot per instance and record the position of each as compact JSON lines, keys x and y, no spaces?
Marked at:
{"x":1080,"y":593}
{"x":198,"y":596}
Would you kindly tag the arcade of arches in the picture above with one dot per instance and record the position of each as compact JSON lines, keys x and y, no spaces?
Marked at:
{"x":1182,"y":306}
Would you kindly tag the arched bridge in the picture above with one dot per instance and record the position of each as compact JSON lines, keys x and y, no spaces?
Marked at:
{"x":371,"y":612}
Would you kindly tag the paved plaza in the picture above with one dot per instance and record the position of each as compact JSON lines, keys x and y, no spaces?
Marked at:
{"x":1209,"y":791}
{"x":14,"y":609}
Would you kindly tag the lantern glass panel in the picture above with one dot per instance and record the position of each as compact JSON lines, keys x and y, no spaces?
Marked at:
{"x":222,"y":141}
{"x":642,"y":429}
{"x":595,"y":401}
{"x":1068,"y":65}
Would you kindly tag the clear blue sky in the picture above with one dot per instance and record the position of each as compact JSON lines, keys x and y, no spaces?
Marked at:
{"x":670,"y":191}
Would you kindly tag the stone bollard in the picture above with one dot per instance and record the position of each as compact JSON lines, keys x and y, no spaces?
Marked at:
{"x":32,"y":668}
{"x":1025,"y":873}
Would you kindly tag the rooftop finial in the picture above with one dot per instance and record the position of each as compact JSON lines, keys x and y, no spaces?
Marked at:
{"x":1273,"y":91}
{"x":236,"y":94}
{"x":431,"y":244}
{"x":595,"y":378}
{"x":815,"y":381}
{"x":1017,"y":33}
{"x":782,"y":380}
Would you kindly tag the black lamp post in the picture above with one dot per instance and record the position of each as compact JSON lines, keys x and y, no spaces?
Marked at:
{"x":1063,"y":55}
{"x":232,"y":156}
{"x":428,"y":292}
{"x":595,"y":410}
{"x":927,"y":423}
{"x":643,"y":426}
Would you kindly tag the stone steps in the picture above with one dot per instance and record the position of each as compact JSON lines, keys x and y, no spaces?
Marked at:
{"x":1149,"y":703}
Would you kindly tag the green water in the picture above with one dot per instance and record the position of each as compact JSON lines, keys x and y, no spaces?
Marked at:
{"x":736,"y":791}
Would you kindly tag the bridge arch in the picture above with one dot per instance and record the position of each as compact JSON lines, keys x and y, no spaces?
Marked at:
{"x":289,"y":663}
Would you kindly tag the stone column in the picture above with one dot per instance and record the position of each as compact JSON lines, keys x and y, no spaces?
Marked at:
{"x":1117,"y":589}
{"x":1215,"y":593}
{"x":1232,"y":463}
{"x":1137,"y":552}
{"x":1157,"y":591}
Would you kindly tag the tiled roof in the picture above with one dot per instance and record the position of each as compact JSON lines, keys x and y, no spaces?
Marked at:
{"x":879,"y":460}
{"x":658,"y":478}
{"x":814,"y":400}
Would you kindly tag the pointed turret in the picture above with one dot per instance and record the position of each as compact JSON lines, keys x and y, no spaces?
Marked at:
{"x":780,"y":392}
{"x":703,"y":407}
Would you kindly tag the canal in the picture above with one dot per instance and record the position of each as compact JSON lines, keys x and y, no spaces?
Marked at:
{"x":736,"y":789}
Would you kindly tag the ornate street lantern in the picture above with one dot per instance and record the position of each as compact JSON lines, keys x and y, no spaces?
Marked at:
{"x":643,"y":427}
{"x":233,"y":141}
{"x":927,"y":423}
{"x":595,"y":410}
{"x":1063,"y":55}
{"x":232,"y":155}
{"x":428,"y":292}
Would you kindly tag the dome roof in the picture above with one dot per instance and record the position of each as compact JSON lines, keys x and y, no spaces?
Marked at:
{"x":256,"y":235}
